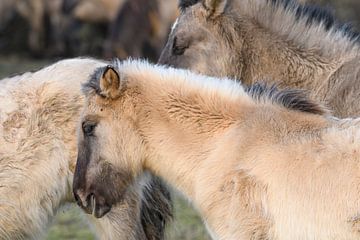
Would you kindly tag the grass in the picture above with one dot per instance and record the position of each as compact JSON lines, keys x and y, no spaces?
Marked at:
{"x":187,"y":224}
{"x":69,"y":224}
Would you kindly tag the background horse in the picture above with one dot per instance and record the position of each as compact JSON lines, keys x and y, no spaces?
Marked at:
{"x":279,"y":42}
{"x":38,"y":118}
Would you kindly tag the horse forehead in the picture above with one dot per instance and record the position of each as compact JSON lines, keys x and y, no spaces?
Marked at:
{"x":93,"y":103}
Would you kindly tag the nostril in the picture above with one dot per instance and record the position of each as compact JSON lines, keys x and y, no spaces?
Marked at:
{"x":84,"y":200}
{"x":80,"y":198}
{"x":91,"y":201}
{"x":90,"y":197}
{"x":77,"y":199}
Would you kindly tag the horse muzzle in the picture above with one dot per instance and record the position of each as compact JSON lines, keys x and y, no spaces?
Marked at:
{"x":92,"y":203}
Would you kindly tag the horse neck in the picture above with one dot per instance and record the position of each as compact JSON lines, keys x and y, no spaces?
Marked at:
{"x":294,"y":57}
{"x":194,"y":142}
{"x":179,"y":129}
{"x":284,"y":63}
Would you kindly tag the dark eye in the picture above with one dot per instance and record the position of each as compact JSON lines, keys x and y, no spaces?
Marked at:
{"x":88,"y":128}
{"x":178,"y":48}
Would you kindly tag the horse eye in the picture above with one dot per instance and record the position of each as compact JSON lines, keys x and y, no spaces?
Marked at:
{"x":88,"y":128}
{"x":178,"y":49}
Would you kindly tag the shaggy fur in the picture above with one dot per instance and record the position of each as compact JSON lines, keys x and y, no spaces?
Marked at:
{"x":278,"y":41}
{"x":38,"y":118}
{"x":254,"y":169}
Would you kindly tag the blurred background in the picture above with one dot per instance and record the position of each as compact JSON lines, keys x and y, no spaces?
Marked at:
{"x":34,"y":33}
{"x":102,"y":28}
{"x":44,"y":29}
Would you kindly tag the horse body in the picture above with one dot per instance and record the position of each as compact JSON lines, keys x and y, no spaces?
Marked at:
{"x":38,"y":118}
{"x":35,"y":154}
{"x":279,"y":42}
{"x":256,"y":163}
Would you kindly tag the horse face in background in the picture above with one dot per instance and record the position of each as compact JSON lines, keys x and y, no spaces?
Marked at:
{"x":201,"y":38}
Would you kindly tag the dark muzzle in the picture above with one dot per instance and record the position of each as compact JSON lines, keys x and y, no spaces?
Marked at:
{"x":92,"y":203}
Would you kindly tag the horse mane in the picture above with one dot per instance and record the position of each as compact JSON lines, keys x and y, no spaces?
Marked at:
{"x":93,"y":84}
{"x":154,"y":216}
{"x":293,"y":99}
{"x":315,"y":14}
{"x":309,"y":25}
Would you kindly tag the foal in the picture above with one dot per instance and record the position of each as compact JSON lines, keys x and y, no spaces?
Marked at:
{"x":257,"y":163}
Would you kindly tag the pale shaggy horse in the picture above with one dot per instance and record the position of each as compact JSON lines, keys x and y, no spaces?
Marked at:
{"x":38,"y":116}
{"x":276,"y":41}
{"x":257,"y":163}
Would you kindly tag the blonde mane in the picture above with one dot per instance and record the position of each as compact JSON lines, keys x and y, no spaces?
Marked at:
{"x":228,"y":88}
{"x":215,"y":88}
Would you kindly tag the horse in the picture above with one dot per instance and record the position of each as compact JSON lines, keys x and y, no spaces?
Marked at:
{"x":256,"y":162}
{"x":38,"y":117}
{"x":153,"y":17}
{"x":279,"y":42}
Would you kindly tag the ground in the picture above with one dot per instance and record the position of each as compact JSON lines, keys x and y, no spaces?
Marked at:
{"x":69,"y":224}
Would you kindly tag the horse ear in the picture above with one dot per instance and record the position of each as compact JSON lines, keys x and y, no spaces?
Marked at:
{"x":110,"y":83}
{"x":215,"y":7}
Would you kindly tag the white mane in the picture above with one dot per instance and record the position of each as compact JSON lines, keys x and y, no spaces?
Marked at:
{"x":228,"y":88}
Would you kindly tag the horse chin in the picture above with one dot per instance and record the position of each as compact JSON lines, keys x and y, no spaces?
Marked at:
{"x":99,"y":210}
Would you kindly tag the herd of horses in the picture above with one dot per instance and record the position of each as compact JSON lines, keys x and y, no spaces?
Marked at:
{"x":73,"y":27}
{"x":256,"y":157}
